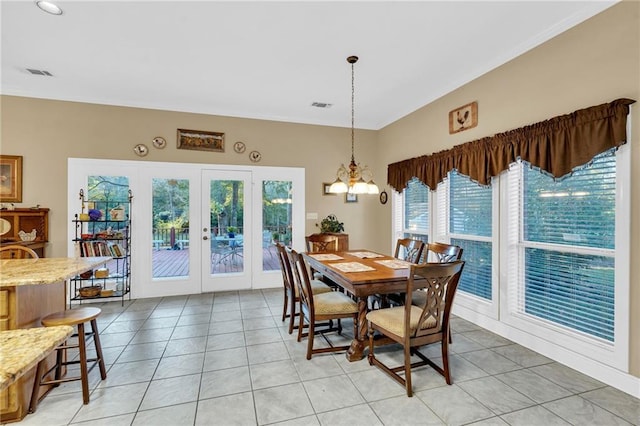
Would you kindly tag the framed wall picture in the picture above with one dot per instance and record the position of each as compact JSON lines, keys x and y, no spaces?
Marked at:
{"x":463,"y":118}
{"x":350,"y":198}
{"x":11,"y":178}
{"x":325,"y":188}
{"x":200,"y":140}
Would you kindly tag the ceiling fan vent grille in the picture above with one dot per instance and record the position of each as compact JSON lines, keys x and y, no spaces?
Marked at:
{"x":40,"y":72}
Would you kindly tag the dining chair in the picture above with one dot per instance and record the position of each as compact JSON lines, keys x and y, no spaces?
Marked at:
{"x":291,"y":293}
{"x":409,"y":249}
{"x":314,"y":308}
{"x":322,"y":243}
{"x":438,"y":253}
{"x":16,"y":251}
{"x":413,"y":326}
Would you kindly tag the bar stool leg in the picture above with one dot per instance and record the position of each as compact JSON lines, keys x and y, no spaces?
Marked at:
{"x":98,"y":345}
{"x":36,"y":386}
{"x":83,"y":363}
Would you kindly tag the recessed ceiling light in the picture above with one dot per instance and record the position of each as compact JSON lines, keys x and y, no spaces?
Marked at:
{"x":49,"y":7}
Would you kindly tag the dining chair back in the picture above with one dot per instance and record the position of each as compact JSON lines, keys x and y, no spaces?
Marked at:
{"x":321,"y":242}
{"x":409,"y":249}
{"x":16,"y":251}
{"x":438,"y":253}
{"x":442,"y":252}
{"x":291,"y":292}
{"x":316,"y":307}
{"x":413,"y":326}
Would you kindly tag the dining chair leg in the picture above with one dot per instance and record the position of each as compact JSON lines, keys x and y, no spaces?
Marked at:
{"x":286,"y":304}
{"x":445,"y":360}
{"x":292,"y":313}
{"x":407,"y":369}
{"x":300,"y":325}
{"x":310,"y":337}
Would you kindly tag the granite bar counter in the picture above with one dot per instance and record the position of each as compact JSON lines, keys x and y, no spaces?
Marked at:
{"x":18,"y":272}
{"x":22,"y":349}
{"x":31,"y":289}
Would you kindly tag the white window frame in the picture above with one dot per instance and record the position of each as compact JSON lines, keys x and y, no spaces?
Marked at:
{"x":581,"y":348}
{"x":398,"y":218}
{"x":470,"y":302}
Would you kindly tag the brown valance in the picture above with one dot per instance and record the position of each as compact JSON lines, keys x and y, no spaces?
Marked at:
{"x":557,"y":146}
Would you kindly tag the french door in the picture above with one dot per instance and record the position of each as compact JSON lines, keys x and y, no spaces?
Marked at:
{"x":226,"y":233}
{"x":198,"y":228}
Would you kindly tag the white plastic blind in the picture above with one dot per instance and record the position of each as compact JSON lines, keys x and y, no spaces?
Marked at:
{"x":416,"y":210}
{"x":470,"y":219}
{"x":568,"y":230}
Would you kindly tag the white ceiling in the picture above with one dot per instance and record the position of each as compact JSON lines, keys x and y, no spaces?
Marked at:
{"x":271,"y":60}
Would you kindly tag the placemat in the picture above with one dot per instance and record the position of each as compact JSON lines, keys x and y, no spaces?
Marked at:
{"x":365,"y":254}
{"x":352,"y":267}
{"x":322,"y":257}
{"x":394,"y":263}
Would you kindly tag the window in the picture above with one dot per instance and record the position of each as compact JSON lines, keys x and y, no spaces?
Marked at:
{"x":568,"y":239}
{"x":567,"y":252}
{"x":470,"y":227}
{"x":546,"y":256}
{"x":416,"y":211}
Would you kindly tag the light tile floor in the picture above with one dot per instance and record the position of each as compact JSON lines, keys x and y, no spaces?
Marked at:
{"x":227,"y":359}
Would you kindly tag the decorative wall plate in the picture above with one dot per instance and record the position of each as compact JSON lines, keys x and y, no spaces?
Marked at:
{"x":159,"y":142}
{"x":383,"y":197}
{"x":239,"y":147}
{"x":5,"y":226}
{"x":141,"y":150}
{"x":255,"y":156}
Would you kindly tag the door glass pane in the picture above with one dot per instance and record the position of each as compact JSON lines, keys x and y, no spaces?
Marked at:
{"x":227,"y":226}
{"x":170,"y":231}
{"x":276,"y":220}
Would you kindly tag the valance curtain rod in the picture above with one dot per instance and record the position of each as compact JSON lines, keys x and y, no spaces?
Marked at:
{"x":556,"y":145}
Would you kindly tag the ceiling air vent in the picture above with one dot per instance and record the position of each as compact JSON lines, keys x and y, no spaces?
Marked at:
{"x":40,"y":72}
{"x":321,"y":105}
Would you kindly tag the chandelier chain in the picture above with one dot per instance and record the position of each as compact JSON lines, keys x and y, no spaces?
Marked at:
{"x":353,"y":111}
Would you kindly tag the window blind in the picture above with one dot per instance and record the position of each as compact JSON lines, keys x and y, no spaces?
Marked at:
{"x":470,"y":219}
{"x":416,"y":208}
{"x":568,"y":240}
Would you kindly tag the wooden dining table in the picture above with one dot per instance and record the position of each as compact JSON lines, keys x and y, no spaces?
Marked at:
{"x":361,"y":273}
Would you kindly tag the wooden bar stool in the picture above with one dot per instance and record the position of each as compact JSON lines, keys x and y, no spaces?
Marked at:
{"x":77,"y":317}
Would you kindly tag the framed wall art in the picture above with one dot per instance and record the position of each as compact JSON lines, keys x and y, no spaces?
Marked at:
{"x":350,"y":198}
{"x":11,"y":178}
{"x":200,"y":140}
{"x":325,"y":188}
{"x":463,"y":118}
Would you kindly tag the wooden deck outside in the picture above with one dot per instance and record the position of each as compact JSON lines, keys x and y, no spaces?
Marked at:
{"x":175,"y":263}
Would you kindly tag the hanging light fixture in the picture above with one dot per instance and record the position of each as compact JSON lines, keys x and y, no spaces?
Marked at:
{"x":354,"y":179}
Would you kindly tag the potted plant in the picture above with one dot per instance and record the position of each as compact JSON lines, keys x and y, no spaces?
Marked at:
{"x":231,"y":231}
{"x":331,"y":224}
{"x":275,"y":237}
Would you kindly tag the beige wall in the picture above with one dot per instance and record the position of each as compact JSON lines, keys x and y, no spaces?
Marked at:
{"x":593,"y":63}
{"x":46,"y":133}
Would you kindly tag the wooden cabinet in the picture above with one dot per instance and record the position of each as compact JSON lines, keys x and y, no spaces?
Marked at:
{"x":26,"y":220}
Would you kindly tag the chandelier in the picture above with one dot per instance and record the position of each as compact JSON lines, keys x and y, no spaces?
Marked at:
{"x":354,"y":179}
